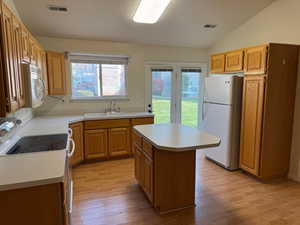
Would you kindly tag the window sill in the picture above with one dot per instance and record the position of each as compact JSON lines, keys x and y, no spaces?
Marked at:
{"x":95,"y":99}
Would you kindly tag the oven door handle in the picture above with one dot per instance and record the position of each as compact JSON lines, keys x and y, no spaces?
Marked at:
{"x":71,"y":153}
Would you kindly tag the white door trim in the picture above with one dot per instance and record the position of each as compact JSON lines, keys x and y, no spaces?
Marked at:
{"x":176,"y":88}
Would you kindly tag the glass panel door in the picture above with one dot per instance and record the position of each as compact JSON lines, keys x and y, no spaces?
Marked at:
{"x":162,"y":94}
{"x":190,"y":96}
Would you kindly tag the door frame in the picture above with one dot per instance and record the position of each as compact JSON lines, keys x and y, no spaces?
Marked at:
{"x":176,"y":87}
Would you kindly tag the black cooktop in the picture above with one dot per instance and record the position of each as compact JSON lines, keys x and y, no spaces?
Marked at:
{"x":40,"y":144}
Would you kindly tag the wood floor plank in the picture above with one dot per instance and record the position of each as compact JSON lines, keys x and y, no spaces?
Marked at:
{"x":106,"y":193}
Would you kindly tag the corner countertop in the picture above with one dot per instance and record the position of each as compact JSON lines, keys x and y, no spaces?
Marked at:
{"x":33,"y":169}
{"x":176,"y":137}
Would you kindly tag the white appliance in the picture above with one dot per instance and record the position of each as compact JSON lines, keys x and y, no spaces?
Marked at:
{"x":222,"y":117}
{"x":35,"y":85}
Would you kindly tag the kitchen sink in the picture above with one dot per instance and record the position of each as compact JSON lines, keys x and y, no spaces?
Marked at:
{"x":40,"y":144}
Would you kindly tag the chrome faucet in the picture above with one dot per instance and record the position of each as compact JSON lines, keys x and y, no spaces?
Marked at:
{"x":112,"y":108}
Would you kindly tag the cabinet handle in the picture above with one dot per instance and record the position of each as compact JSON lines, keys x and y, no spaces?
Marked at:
{"x":70,"y":131}
{"x":71,"y":153}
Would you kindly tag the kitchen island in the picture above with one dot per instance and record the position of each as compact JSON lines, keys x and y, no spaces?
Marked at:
{"x":165,"y":163}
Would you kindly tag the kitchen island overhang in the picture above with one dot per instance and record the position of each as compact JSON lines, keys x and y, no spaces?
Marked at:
{"x":165,"y":163}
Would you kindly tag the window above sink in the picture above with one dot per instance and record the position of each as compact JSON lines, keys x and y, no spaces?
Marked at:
{"x":95,"y":77}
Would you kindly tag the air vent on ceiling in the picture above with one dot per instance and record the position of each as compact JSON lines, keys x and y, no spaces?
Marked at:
{"x":56,"y":8}
{"x":210,"y":26}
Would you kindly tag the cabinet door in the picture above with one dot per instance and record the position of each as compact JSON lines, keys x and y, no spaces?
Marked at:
{"x":17,"y":41}
{"x":148,"y":177}
{"x":119,"y":141}
{"x":56,"y":73}
{"x":44,"y":70}
{"x":25,"y":45}
{"x":78,"y":156}
{"x":217,"y":63}
{"x":138,"y":169}
{"x":234,"y":61}
{"x":10,"y":78}
{"x":251,"y":127}
{"x":95,"y":144}
{"x":255,"y":60}
{"x":33,"y":50}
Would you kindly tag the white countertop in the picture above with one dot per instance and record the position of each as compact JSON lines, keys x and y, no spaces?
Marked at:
{"x":32,"y":169}
{"x":177,"y":137}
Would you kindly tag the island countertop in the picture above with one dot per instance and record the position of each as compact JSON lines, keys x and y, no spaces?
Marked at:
{"x":176,"y":137}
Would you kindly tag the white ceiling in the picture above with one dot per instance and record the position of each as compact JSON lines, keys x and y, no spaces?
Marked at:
{"x":181,"y":24}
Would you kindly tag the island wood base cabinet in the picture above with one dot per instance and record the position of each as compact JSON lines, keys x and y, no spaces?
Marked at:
{"x":167,"y":178}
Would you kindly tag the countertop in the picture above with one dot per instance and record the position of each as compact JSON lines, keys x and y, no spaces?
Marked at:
{"x":176,"y":137}
{"x":33,"y":169}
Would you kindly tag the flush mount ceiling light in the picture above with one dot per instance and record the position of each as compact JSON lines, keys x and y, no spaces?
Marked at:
{"x":149,"y":11}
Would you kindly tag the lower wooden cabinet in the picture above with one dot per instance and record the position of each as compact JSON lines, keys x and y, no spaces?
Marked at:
{"x":96,"y":146}
{"x":144,"y":171}
{"x":251,"y":126}
{"x":44,"y":204}
{"x":78,"y":156}
{"x":148,"y":177}
{"x":119,"y":141}
{"x":105,"y":139}
{"x":139,"y":173}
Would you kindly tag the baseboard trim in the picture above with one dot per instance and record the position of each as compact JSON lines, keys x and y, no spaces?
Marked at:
{"x":294,"y":177}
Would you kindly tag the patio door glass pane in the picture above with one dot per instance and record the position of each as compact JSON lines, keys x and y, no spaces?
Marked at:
{"x":162,"y":94}
{"x":190,"y":93}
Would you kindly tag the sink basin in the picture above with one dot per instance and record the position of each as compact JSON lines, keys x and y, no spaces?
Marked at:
{"x":40,"y":144}
{"x":95,"y":115}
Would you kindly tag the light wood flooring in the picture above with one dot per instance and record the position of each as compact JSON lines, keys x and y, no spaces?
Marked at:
{"x":106,"y":193}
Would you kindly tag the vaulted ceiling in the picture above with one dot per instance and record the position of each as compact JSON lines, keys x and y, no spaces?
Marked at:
{"x":180,"y":25}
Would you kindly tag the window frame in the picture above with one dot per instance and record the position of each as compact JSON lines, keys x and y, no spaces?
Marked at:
{"x":95,"y":98}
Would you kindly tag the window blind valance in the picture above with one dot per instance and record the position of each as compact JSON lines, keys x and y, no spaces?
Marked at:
{"x":191,"y":70}
{"x":95,"y":58}
{"x":161,"y":70}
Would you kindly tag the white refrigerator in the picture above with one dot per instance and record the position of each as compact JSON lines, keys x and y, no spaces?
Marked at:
{"x":222,"y":117}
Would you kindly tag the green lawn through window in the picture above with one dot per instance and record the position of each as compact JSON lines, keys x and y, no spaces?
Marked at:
{"x":189,"y":111}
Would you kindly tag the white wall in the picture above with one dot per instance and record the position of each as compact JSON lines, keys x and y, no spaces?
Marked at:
{"x":279,"y":23}
{"x":138,"y":54}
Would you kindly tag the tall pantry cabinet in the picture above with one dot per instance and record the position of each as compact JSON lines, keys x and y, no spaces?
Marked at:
{"x":268,"y":110}
{"x":270,"y":77}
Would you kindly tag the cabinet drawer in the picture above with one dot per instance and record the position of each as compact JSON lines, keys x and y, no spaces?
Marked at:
{"x":136,"y":139}
{"x":141,"y":121}
{"x":147,"y":147}
{"x":99,"y":124}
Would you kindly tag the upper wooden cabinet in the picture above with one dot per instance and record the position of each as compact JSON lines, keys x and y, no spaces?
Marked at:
{"x":17,"y":42}
{"x":234,"y":61}
{"x":77,"y":130}
{"x":119,"y":141}
{"x":252,"y":114}
{"x":96,"y":146}
{"x":56,"y":73}
{"x":25,"y":45}
{"x":255,"y":60}
{"x":217,"y":63}
{"x":11,"y":80}
{"x":44,"y":69}
{"x":33,"y":51}
{"x":17,"y":46}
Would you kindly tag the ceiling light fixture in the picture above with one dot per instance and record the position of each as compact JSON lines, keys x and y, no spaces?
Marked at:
{"x":149,"y":11}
